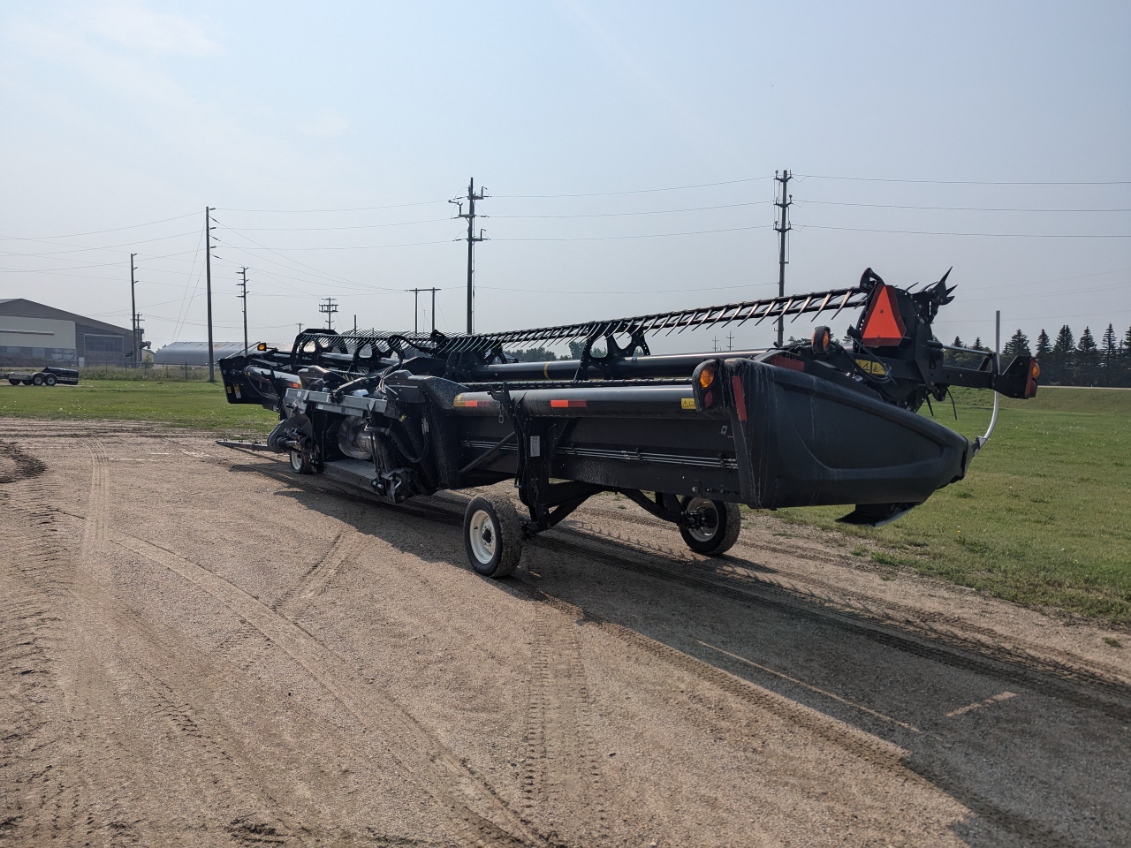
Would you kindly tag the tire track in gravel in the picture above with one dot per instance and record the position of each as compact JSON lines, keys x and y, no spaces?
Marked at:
{"x":560,"y":765}
{"x":975,"y":649}
{"x":300,"y":595}
{"x":94,"y":677}
{"x":878,"y":753}
{"x":971,"y":648}
{"x":62,"y":798}
{"x":426,"y":761}
{"x":53,"y":783}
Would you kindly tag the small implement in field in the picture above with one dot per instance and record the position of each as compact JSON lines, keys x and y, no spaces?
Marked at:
{"x":688,"y":437}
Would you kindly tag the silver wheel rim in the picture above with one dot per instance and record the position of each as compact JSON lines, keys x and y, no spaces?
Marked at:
{"x":484,"y":539}
{"x":710,"y":526}
{"x":296,"y":460}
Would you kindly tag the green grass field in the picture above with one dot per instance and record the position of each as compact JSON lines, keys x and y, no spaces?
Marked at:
{"x":1043,"y":518}
{"x":194,"y":404}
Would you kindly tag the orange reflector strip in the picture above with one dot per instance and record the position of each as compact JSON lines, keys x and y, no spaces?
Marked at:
{"x":739,"y":397}
{"x":463,"y":404}
{"x":568,"y":404}
{"x":883,"y":325}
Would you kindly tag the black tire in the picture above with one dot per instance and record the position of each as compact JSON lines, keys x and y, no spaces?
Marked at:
{"x":722,"y":523}
{"x":492,"y":536}
{"x":37,"y":380}
{"x":300,"y":463}
{"x":13,"y":382}
{"x":26,"y":382}
{"x":49,"y":380}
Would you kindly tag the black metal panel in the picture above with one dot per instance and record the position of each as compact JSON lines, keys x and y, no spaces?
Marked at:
{"x":807,"y":442}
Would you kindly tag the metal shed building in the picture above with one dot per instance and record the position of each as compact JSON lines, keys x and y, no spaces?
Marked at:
{"x":194,"y":353}
{"x":34,"y":334}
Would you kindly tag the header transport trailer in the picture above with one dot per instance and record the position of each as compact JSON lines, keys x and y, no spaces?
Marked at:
{"x":688,"y":437}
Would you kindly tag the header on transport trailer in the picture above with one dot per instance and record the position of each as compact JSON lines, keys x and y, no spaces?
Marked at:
{"x":688,"y":437}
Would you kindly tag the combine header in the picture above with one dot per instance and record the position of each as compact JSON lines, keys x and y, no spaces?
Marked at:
{"x":688,"y":437}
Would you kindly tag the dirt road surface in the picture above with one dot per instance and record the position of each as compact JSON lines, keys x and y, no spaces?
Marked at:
{"x":199,"y":648}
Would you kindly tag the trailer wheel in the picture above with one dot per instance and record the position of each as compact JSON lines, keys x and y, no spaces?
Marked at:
{"x":300,"y":463}
{"x":13,"y":382}
{"x":492,"y":535}
{"x":26,"y":382}
{"x":719,"y":528}
{"x":49,"y":380}
{"x":37,"y":380}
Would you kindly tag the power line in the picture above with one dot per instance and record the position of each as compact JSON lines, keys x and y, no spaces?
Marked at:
{"x":319,"y":211}
{"x":330,"y":229}
{"x":356,"y":246}
{"x":629,"y":214}
{"x":977,"y":235}
{"x":636,"y":191}
{"x":646,"y":236}
{"x":99,"y":232}
{"x":953,"y":208}
{"x":963,"y":182}
{"x":109,"y":246}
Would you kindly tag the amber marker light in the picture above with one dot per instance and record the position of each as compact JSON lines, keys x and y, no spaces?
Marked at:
{"x":707,"y":376}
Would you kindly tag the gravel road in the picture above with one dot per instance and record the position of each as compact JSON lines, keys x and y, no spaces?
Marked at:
{"x":199,"y":648}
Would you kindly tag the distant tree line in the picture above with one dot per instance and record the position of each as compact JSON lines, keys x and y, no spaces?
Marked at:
{"x":544,"y":354}
{"x":1067,"y":361}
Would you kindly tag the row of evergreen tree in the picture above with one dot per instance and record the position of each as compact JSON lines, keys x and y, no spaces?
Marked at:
{"x":1071,"y":362}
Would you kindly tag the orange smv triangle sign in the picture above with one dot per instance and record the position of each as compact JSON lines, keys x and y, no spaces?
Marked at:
{"x":883,"y":326}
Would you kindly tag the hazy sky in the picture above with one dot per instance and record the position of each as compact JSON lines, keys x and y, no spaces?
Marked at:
{"x":628,"y":150}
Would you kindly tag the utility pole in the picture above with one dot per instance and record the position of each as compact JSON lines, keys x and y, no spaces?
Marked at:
{"x":329,"y":308}
{"x":416,"y":307}
{"x":730,"y":341}
{"x":471,"y":239}
{"x":133,"y":311}
{"x":208,"y":278}
{"x":243,"y":296}
{"x":782,"y":227}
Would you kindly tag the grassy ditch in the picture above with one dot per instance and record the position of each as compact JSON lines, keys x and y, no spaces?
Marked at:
{"x":1042,"y":518}
{"x":177,"y":402}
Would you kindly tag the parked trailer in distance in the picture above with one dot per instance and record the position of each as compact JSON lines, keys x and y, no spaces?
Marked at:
{"x":48,"y":376}
{"x":687,"y":437}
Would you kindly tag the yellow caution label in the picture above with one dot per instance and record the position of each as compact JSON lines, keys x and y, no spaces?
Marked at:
{"x":870,"y":366}
{"x":687,"y":403}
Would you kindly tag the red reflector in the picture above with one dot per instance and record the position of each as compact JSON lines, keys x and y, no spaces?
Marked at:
{"x":459,"y":402}
{"x":567,"y":404}
{"x":739,"y":397}
{"x":787,"y":362}
{"x":883,"y":325}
